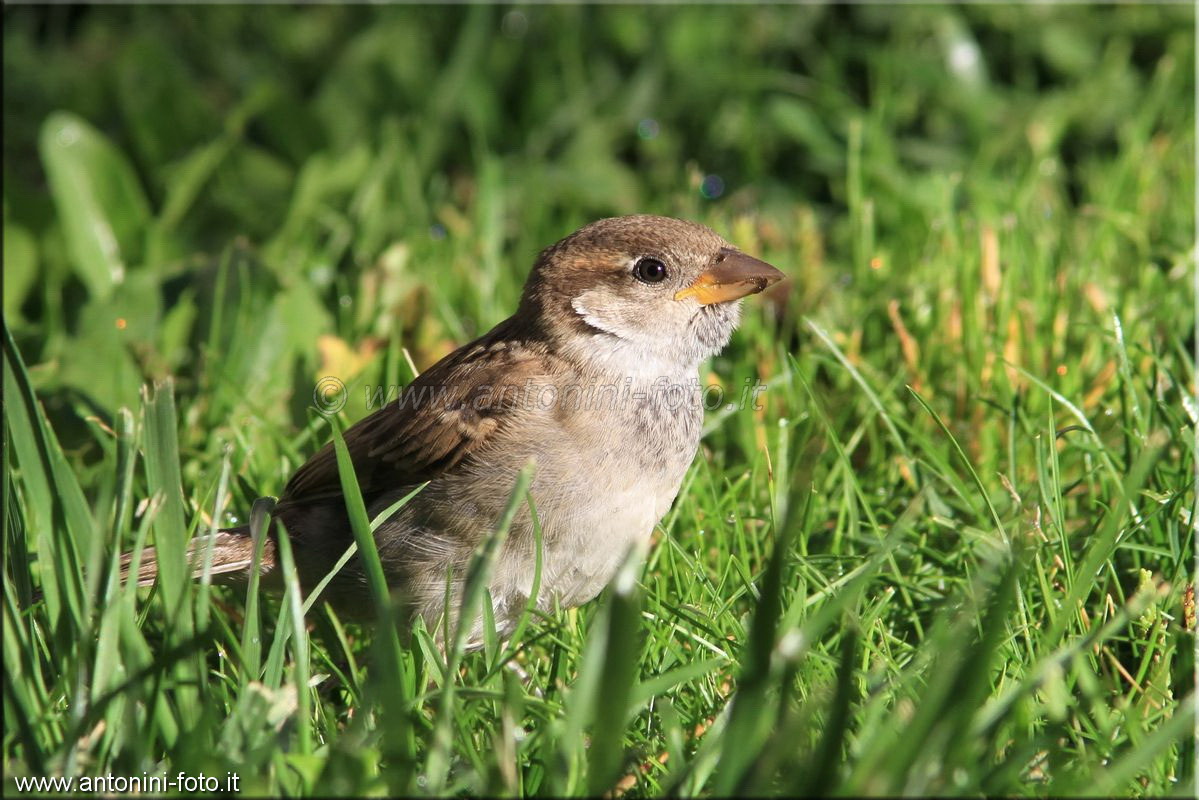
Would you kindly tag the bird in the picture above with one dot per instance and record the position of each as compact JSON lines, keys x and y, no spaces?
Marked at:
{"x":593,"y":380}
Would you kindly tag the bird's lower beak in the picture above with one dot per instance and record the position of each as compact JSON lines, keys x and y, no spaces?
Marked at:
{"x":733,"y":276}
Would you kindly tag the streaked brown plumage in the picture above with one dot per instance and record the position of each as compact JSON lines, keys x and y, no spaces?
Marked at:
{"x":596,"y":312}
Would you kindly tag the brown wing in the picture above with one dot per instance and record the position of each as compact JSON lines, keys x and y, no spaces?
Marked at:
{"x":443,"y":416}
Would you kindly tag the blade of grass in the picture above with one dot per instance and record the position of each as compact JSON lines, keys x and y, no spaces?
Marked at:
{"x":251,"y":638}
{"x":392,"y":683}
{"x":982,"y":490}
{"x":379,"y":519}
{"x":300,"y":647}
{"x":474,"y":587}
{"x":621,"y":646}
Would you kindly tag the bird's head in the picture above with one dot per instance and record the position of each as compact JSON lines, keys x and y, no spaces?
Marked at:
{"x":642,"y":293}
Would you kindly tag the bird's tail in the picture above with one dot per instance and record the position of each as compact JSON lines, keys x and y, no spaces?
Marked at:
{"x":232,"y":556}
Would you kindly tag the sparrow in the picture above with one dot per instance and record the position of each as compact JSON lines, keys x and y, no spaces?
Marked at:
{"x":593,"y":380}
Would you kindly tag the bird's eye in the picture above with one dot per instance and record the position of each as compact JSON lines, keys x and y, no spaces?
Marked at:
{"x":650,"y":270}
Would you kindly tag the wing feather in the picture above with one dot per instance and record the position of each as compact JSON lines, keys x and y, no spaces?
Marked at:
{"x":444,"y":416}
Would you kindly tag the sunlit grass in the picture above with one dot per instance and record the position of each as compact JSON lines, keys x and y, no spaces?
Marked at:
{"x":947,"y":556}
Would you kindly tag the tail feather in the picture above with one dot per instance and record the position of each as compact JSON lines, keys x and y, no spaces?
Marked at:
{"x":232,"y":555}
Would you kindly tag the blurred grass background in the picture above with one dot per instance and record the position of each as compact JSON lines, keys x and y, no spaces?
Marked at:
{"x":949,"y":556}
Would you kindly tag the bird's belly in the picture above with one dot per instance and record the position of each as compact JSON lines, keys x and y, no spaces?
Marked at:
{"x":591,"y":544}
{"x":589,"y":525}
{"x":594,"y":503}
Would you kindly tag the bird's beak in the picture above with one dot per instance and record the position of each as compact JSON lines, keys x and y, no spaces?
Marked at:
{"x":733,"y":276}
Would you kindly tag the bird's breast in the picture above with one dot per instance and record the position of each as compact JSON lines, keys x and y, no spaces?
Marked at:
{"x":601,"y":495}
{"x":604,"y":476}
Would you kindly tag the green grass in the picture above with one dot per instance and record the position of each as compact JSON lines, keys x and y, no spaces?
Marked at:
{"x":948,"y":556}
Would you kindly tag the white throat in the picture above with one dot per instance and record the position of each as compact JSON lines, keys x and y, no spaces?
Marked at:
{"x":622,"y":352}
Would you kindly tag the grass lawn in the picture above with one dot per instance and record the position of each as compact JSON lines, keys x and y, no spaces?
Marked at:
{"x":952,"y":553}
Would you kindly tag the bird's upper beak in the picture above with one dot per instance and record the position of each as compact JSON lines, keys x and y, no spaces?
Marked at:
{"x":732,"y":276}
